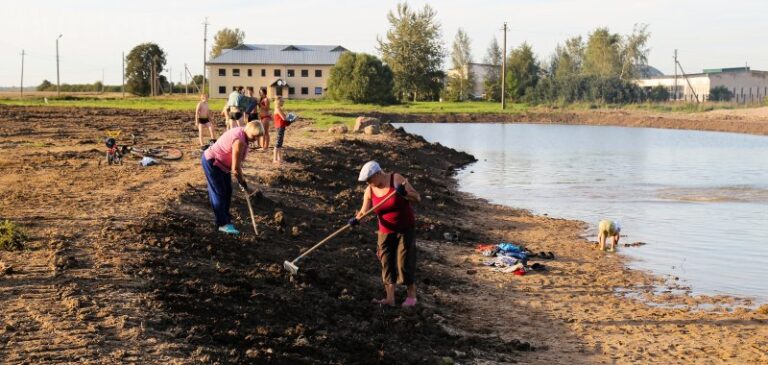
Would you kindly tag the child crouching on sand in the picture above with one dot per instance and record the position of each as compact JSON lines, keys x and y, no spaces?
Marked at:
{"x":607,"y":228}
{"x":202,"y":119}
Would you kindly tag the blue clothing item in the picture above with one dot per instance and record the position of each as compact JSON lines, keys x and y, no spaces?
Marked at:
{"x":280,"y":137}
{"x":252,"y":103}
{"x":509,"y":247}
{"x":242,"y":101}
{"x":517,"y":255}
{"x":219,"y":191}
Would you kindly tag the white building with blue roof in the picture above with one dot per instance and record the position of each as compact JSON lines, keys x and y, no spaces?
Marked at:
{"x":290,"y":71}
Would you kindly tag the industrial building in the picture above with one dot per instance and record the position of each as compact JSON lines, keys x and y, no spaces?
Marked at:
{"x":747,"y":86}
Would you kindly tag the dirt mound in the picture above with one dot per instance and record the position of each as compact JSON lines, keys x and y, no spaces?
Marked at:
{"x":232,"y":301}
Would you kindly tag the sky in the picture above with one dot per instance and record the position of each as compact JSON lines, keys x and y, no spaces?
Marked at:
{"x":707,"y":34}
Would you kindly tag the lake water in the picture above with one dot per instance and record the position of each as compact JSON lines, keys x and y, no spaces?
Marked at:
{"x":699,"y":199}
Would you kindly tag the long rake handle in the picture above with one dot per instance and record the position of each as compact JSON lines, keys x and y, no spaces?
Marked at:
{"x":342,"y":229}
{"x":250,"y":209}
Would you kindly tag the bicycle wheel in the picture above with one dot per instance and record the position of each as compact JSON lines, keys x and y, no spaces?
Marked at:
{"x":165,"y":153}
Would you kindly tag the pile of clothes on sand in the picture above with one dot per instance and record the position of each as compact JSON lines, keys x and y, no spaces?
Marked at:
{"x":511,"y":258}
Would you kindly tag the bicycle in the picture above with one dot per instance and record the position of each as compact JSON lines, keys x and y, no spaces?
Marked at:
{"x":162,"y":152}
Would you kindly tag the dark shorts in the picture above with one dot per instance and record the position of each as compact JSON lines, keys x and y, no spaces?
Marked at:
{"x":252,"y":117}
{"x":280,"y":137}
{"x":398,"y":257}
{"x":236,"y":115}
{"x":203,"y":120}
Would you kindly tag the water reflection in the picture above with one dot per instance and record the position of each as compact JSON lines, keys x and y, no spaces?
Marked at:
{"x":700,"y":199}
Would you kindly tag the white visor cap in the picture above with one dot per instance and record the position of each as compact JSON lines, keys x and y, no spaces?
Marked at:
{"x":369,"y":169}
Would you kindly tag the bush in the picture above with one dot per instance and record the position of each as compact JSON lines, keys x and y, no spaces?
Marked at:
{"x":581,"y":88}
{"x":658,"y":94}
{"x":720,"y":93}
{"x":11,"y":236}
{"x":361,"y":78}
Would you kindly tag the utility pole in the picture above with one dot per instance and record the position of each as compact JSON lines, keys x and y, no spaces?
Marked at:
{"x":170,"y":78}
{"x":102,"y":80}
{"x":154,"y":84}
{"x":675,"y":87}
{"x":123,"y":87}
{"x":21,"y":90}
{"x":186,"y":81}
{"x":205,"y":48}
{"x":504,"y":67}
{"x":58,"y":85}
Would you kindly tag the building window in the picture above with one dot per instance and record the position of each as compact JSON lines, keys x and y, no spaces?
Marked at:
{"x":290,"y":73}
{"x":222,"y":89}
{"x":250,"y":72}
{"x":277,"y":72}
{"x":318,"y":91}
{"x":263,"y":72}
{"x":291,"y":91}
{"x":318,"y":73}
{"x":222,"y":72}
{"x":304,"y":91}
{"x":304,"y":73}
{"x":235,"y":72}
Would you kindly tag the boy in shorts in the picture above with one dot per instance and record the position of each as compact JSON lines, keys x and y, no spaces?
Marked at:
{"x":202,"y":119}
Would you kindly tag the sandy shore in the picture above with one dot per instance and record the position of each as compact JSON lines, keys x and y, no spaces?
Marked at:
{"x":123,"y":266}
{"x":749,"y":121}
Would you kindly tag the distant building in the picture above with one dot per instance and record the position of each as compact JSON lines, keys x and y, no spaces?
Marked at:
{"x":479,"y":72}
{"x":746,"y":85}
{"x":290,"y":71}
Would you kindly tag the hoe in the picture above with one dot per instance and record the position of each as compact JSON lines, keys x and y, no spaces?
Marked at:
{"x":291,"y":265}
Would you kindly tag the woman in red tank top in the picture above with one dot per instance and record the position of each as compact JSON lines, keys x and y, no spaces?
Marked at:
{"x":396,"y":236}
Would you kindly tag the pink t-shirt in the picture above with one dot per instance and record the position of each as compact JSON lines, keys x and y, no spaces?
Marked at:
{"x":221,"y":151}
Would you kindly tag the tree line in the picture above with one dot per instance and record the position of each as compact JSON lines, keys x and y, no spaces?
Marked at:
{"x":598,"y":68}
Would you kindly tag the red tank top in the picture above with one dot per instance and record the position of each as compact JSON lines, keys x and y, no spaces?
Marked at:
{"x":396,"y":215}
{"x":279,"y":121}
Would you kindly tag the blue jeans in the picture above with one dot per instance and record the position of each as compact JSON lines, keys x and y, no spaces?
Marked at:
{"x":280,"y":137}
{"x":219,"y":191}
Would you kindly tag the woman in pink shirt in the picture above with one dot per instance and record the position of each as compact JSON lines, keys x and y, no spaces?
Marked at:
{"x":221,"y":162}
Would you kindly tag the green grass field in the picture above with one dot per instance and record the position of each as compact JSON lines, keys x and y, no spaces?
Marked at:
{"x":325,"y":112}
{"x":321,"y":111}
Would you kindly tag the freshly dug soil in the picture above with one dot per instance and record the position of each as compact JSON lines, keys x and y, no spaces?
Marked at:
{"x":122,"y":264}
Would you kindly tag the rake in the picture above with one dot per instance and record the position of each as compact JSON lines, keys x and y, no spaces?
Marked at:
{"x":291,"y":265}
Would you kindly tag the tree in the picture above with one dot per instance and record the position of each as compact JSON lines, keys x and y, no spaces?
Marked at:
{"x":360,"y":78}
{"x":568,"y":59}
{"x":413,"y":50}
{"x":720,"y":93}
{"x":602,"y":56}
{"x":492,"y":81}
{"x":522,"y":72}
{"x":45,"y":86}
{"x":634,"y":52}
{"x":461,"y":79}
{"x":138,"y":71}
{"x":226,"y":39}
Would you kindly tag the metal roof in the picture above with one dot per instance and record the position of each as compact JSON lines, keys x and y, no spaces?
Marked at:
{"x":280,"y":54}
{"x":725,"y":69}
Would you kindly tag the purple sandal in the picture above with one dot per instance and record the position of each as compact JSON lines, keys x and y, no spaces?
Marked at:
{"x":409,"y":302}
